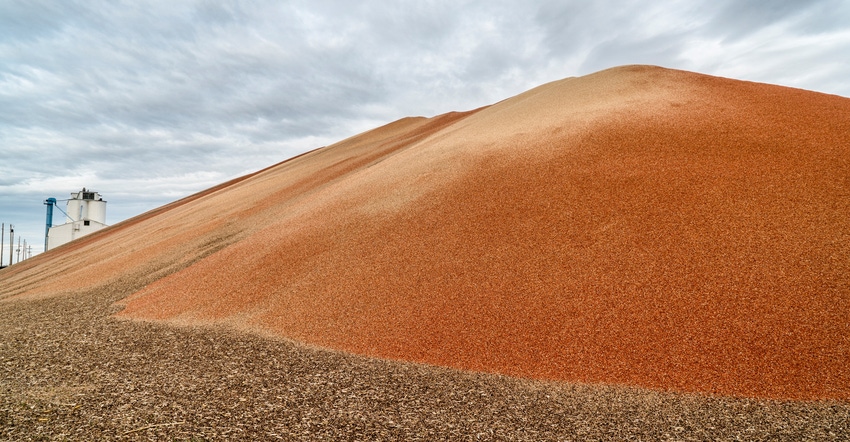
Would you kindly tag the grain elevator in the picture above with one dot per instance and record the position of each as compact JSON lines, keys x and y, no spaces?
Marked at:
{"x":85,"y":213}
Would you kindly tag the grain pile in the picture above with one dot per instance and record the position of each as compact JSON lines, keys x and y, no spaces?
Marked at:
{"x":638,"y":226}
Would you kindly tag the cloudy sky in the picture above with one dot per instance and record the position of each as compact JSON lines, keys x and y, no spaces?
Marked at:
{"x":150,"y":101}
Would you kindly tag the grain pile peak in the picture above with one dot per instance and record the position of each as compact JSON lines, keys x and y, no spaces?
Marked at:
{"x":637,"y":226}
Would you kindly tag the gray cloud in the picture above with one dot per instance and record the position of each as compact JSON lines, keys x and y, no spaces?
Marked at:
{"x":149,"y":101}
{"x":738,"y":19}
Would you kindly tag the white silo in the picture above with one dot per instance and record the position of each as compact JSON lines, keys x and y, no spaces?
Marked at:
{"x":86,"y":205}
{"x":85,"y":213}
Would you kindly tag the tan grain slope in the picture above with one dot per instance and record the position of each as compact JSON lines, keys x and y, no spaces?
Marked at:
{"x":636,"y":226}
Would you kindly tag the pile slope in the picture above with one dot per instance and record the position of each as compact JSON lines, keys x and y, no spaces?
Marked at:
{"x":637,"y":226}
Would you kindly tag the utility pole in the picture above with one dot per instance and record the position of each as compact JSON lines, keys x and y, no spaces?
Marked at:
{"x":19,"y":249}
{"x":2,"y":242}
{"x":11,"y":242}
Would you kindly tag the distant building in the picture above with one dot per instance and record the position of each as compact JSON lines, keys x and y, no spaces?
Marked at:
{"x":85,"y":214}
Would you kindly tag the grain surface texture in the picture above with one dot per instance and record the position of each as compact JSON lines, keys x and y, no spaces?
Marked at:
{"x":664,"y":249}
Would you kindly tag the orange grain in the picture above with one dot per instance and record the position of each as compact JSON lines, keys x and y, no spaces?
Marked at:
{"x":638,"y":226}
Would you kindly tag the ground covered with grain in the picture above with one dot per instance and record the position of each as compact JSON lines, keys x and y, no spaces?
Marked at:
{"x":69,"y":371}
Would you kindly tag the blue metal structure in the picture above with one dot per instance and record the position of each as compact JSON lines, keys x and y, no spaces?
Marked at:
{"x":50,"y":202}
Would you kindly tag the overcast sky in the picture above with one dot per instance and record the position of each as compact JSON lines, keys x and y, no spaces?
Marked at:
{"x":150,"y":101}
